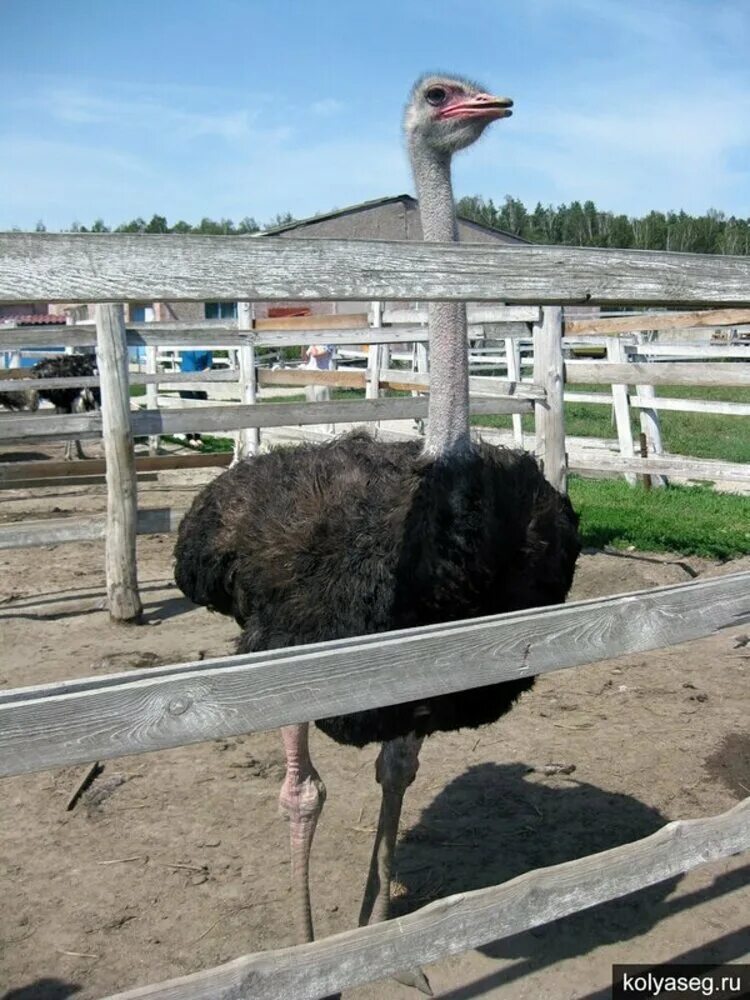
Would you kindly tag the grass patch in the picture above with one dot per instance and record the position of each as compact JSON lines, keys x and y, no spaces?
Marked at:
{"x":702,"y":435}
{"x":690,"y":520}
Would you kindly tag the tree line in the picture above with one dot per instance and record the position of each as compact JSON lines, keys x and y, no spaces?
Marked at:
{"x":576,"y":224}
{"x":585,"y":225}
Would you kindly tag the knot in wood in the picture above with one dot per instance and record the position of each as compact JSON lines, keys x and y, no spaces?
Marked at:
{"x":178,"y":706}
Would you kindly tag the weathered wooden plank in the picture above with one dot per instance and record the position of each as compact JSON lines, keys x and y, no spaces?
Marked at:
{"x":668,"y":465}
{"x":692,"y":405}
{"x":99,"y":718}
{"x":549,"y":415}
{"x":122,"y":489}
{"x":56,"y":531}
{"x":229,"y":417}
{"x":247,"y":439}
{"x":739,"y":352}
{"x":620,"y":405}
{"x":84,"y":267}
{"x":657,"y":373}
{"x":195,"y":335}
{"x":330,"y":321}
{"x":465,"y":920}
{"x":656,"y":321}
{"x":348,"y":379}
{"x":12,"y":471}
{"x":345,"y":338}
{"x":474,"y":314}
{"x":20,"y":378}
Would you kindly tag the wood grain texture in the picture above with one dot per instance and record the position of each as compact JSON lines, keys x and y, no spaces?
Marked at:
{"x":474,"y":314}
{"x":12,"y":471}
{"x":656,"y":321}
{"x":700,"y":469}
{"x":231,"y":417}
{"x":86,"y":267}
{"x":247,"y":441}
{"x":100,"y":718}
{"x":738,"y":352}
{"x":122,"y":490}
{"x":692,"y":405}
{"x":549,"y":414}
{"x":620,"y":403}
{"x":211,"y":335}
{"x":58,"y":530}
{"x":657,"y":373}
{"x":330,"y":321}
{"x":20,"y":378}
{"x":465,"y":920}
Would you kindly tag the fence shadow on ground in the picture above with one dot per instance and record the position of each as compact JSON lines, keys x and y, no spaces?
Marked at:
{"x":43,"y":989}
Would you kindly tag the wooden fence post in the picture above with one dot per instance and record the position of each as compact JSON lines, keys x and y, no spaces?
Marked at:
{"x":649,"y":420}
{"x":513,"y":362}
{"x":621,"y":405}
{"x":549,"y":416}
{"x":122,"y":499}
{"x":152,"y":396}
{"x":248,"y":438}
{"x":374,"y":355}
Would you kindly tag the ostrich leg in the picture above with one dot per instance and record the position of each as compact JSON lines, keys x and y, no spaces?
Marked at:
{"x":79,"y":406}
{"x":395,"y":769}
{"x":301,"y":800}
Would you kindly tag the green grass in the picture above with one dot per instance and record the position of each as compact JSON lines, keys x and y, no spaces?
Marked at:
{"x":702,"y":435}
{"x":690,"y":520}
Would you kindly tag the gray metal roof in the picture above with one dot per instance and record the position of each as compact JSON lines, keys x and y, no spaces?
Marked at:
{"x":406,"y":199}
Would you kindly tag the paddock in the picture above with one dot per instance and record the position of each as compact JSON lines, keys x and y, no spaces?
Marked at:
{"x":657,"y":737}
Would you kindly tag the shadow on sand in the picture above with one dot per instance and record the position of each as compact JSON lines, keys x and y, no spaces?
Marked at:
{"x":496,"y":821}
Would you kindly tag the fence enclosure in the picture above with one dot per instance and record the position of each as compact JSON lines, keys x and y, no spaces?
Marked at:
{"x":82,"y":720}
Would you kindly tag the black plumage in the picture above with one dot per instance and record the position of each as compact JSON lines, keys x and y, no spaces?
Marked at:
{"x":360,"y":536}
{"x":72,"y":398}
{"x":19,"y":400}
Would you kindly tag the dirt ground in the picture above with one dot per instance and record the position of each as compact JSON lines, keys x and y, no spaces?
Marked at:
{"x":177,"y":861}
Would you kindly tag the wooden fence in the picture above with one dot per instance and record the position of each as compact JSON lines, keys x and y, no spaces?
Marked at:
{"x":96,"y":718}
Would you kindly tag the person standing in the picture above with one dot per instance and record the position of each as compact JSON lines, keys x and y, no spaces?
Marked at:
{"x":194,"y":361}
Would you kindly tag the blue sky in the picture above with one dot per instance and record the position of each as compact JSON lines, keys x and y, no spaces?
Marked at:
{"x":253,"y":107}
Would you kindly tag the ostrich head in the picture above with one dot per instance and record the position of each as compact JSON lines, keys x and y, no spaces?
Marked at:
{"x":447,"y":113}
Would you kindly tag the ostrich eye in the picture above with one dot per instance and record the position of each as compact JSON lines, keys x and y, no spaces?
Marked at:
{"x":436,"y":95}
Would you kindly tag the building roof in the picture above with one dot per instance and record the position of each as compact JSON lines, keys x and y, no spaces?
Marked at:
{"x":363,"y":206}
{"x":36,"y":319}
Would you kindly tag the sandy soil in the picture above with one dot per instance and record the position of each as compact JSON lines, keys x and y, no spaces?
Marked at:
{"x":177,"y":861}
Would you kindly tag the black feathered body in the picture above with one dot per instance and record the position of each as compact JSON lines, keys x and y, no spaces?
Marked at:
{"x":19,"y":400}
{"x":360,"y":536}
{"x":68,"y":366}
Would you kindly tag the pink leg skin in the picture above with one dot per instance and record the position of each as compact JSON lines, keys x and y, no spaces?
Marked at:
{"x":301,"y":801}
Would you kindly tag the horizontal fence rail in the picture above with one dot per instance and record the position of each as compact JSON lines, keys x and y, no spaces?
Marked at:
{"x":465,"y":920}
{"x":657,"y":373}
{"x":56,"y":531}
{"x":598,"y":325}
{"x":224,"y":418}
{"x":85,"y":267}
{"x":99,"y":718}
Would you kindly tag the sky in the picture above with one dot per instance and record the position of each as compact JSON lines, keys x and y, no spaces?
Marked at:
{"x":234,"y":108}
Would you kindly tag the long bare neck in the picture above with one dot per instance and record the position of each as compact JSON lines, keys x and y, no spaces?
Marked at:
{"x":448,"y":415}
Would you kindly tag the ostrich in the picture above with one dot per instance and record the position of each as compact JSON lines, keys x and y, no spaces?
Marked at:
{"x":72,"y":399}
{"x":23,"y":400}
{"x":359,"y":536}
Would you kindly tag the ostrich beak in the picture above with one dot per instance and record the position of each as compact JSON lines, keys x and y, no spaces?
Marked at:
{"x":479,"y":106}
